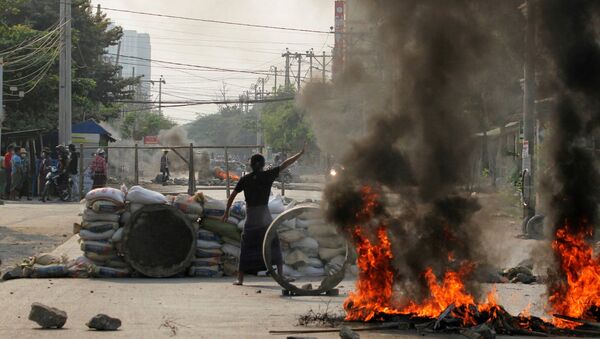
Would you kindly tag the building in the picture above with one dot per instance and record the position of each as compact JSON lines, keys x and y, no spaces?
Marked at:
{"x":134,"y":53}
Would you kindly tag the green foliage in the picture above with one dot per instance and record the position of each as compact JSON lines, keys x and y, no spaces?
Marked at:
{"x":96,"y":84}
{"x":230,"y":126}
{"x":136,"y":125}
{"x":284,"y":126}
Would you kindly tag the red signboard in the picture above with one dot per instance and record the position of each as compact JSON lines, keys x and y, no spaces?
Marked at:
{"x":151,"y":140}
{"x":339,"y":48}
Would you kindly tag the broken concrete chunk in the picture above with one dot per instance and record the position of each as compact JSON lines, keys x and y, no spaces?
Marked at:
{"x":46,"y":316}
{"x":347,"y":333}
{"x":102,"y":322}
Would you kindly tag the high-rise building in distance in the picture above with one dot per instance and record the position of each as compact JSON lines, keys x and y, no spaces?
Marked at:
{"x":134,"y":58}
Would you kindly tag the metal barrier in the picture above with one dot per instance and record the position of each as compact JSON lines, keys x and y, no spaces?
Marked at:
{"x":190,"y":161}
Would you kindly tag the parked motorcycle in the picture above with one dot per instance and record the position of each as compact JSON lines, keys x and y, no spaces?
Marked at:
{"x":61,"y":186}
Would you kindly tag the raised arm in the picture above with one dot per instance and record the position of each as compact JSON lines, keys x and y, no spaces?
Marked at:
{"x":289,"y":161}
{"x":229,"y":203}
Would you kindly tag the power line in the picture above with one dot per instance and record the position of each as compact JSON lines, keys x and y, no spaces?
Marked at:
{"x":219,"y":21}
{"x":211,"y":102}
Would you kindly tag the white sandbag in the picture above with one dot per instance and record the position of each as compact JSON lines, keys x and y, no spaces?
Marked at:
{"x":98,"y":247}
{"x":315,"y":262}
{"x":208,"y":235}
{"x":331,"y":242}
{"x":310,"y":271}
{"x":205,"y":272}
{"x":99,"y":226}
{"x":329,"y":253}
{"x":214,"y":208}
{"x":321,"y":230}
{"x":134,"y":207}
{"x":335,"y":265}
{"x":274,"y":216}
{"x":238,"y":209}
{"x":91,"y":216}
{"x":140,"y":195}
{"x":125,"y":217}
{"x":291,"y":272}
{"x":100,"y":258}
{"x":302,"y":223}
{"x":241,"y":225}
{"x":105,"y":206}
{"x":291,"y":205}
{"x":230,"y":241}
{"x":208,"y":252}
{"x":79,"y":268}
{"x":49,"y":259}
{"x":109,"y":272}
{"x":89,"y":235}
{"x":288,"y":224}
{"x":106,"y":193}
{"x":276,"y":204}
{"x":305,"y":243}
{"x":231,"y":250}
{"x":187,"y":204}
{"x":117,"y":236}
{"x":291,"y":236}
{"x":207,"y":244}
{"x":296,"y":258}
{"x":212,"y":261}
{"x":233,"y":220}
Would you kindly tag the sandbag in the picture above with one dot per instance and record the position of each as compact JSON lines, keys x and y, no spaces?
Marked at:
{"x":117,"y":263}
{"x":233,"y":220}
{"x":109,"y":272}
{"x":231,"y":241}
{"x":49,"y":259}
{"x":100,"y":258}
{"x":302,"y":223}
{"x":238,"y":210}
{"x":288,"y":224}
{"x":331,"y":242}
{"x":89,"y":235}
{"x":208,"y":244}
{"x":291,"y":236}
{"x":192,"y":217}
{"x":241,"y":225}
{"x":231,"y":250}
{"x":310,"y":271}
{"x":276,"y":204}
{"x":97,"y":247}
{"x":208,"y":252}
{"x":329,"y":253}
{"x":90,"y":216}
{"x":140,"y":195}
{"x":117,"y":236}
{"x":99,"y":226}
{"x":315,"y":262}
{"x":230,"y":266}
{"x":134,"y":207}
{"x":305,"y":244}
{"x":205,"y":272}
{"x":105,"y":206}
{"x":46,"y":271}
{"x":79,"y":268}
{"x":208,"y":235}
{"x":321,"y":230}
{"x":291,"y":272}
{"x":223,"y":229}
{"x":212,"y":261}
{"x":125,"y":217}
{"x":296,"y":258}
{"x":106,"y":193}
{"x":214,"y":208}
{"x":188,"y":204}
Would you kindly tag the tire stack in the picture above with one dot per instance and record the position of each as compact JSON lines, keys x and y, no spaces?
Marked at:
{"x":100,"y":233}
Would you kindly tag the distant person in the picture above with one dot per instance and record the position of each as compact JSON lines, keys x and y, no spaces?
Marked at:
{"x":73,"y":170}
{"x":99,"y":168}
{"x":25,"y":175}
{"x":164,"y":166}
{"x":16,"y":173}
{"x":257,"y":189}
{"x":7,"y":164}
{"x":45,"y":163}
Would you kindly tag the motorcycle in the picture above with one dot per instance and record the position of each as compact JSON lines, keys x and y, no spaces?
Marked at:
{"x":62,"y":187}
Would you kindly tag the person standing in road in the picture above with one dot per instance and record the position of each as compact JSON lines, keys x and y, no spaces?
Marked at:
{"x":99,"y":167}
{"x":164,"y":167}
{"x":257,"y":189}
{"x":72,"y":169}
{"x":45,"y":163}
{"x":26,"y":177}
{"x":16,"y":173}
{"x":7,"y":164}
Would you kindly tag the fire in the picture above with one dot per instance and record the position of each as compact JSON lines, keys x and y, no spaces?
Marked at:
{"x":580,"y":292}
{"x":221,"y":174}
{"x":374,"y":289}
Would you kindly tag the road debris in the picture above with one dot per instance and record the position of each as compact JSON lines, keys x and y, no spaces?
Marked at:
{"x":103,"y":322}
{"x":47,"y":317}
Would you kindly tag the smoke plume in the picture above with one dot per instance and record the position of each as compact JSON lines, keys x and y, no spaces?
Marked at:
{"x":419,"y":140}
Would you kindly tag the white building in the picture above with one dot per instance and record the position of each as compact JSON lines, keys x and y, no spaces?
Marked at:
{"x":134,"y":56}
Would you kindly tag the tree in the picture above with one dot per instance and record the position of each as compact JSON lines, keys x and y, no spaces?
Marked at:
{"x":284,"y":126}
{"x":136,"y":125}
{"x":96,"y":84}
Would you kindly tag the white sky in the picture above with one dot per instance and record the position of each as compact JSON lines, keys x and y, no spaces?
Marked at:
{"x":218,"y":45}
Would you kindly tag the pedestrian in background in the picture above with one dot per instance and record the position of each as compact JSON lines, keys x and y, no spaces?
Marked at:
{"x":16,"y":174}
{"x":45,"y":163}
{"x":25,"y":175}
{"x":164,"y":166}
{"x":99,"y":168}
{"x":7,"y":164}
{"x":73,"y":170}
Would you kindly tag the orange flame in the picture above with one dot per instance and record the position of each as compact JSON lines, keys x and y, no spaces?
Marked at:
{"x":374,"y":289}
{"x":581,"y":290}
{"x":221,"y":174}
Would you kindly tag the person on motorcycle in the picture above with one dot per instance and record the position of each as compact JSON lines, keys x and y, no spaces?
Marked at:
{"x":99,"y":167}
{"x":63,"y":163}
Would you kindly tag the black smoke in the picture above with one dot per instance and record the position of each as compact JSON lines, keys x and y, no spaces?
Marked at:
{"x":417,"y":149}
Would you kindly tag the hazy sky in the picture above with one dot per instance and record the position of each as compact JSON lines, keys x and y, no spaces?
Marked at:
{"x":217,"y":45}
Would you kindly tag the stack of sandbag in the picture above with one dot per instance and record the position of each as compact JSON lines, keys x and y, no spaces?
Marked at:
{"x":208,"y":262}
{"x":100,"y":230}
{"x":311,"y":247}
{"x":191,"y":206}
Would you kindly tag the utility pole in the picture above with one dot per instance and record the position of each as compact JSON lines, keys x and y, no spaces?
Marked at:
{"x":1,"y":96}
{"x":528,"y":150}
{"x":323,"y":67}
{"x":160,"y":83}
{"x":118,"y":55}
{"x":64,"y":92}
{"x":262,"y":88}
{"x":310,"y":55}
{"x":274,"y":69}
{"x":287,"y":68}
{"x":299,"y":57}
